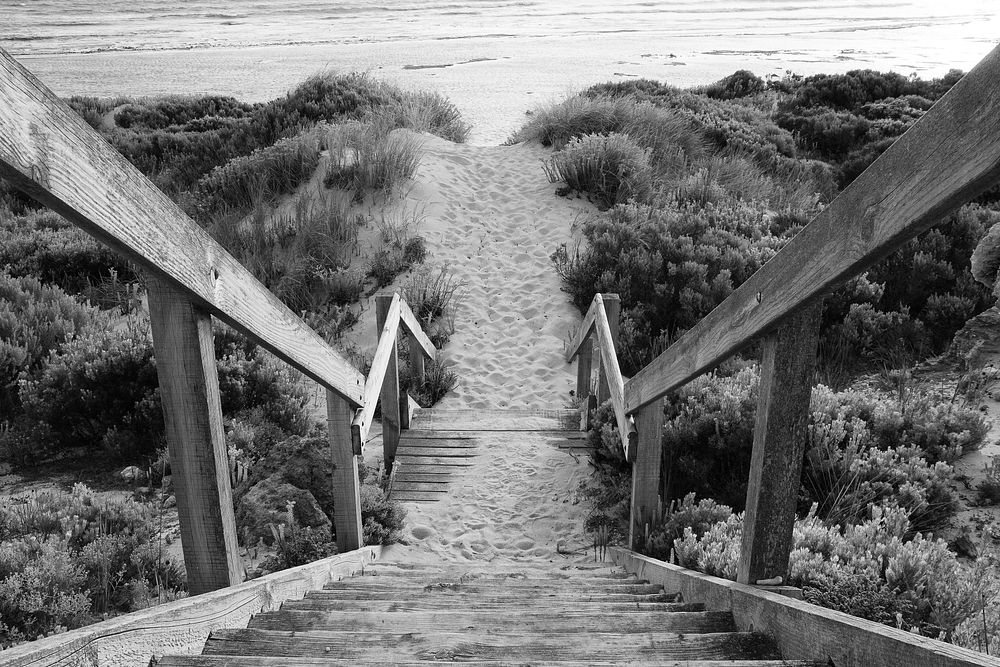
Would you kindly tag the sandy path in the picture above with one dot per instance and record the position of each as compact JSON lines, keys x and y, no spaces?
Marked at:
{"x":494,"y":220}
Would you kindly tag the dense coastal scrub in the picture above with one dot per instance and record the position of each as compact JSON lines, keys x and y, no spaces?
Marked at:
{"x":278,"y":185}
{"x":698,"y":189}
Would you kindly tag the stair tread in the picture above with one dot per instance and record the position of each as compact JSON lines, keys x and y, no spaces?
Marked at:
{"x":510,"y":595}
{"x":436,"y":419}
{"x":479,"y":586}
{"x":541,"y":645}
{"x":282,"y":661}
{"x":561,"y":620}
{"x":331,"y":603}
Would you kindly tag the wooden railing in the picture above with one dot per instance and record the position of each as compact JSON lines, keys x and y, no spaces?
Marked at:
{"x":51,"y":154}
{"x":945,"y":159}
{"x":383,"y":378}
{"x":601,"y":321}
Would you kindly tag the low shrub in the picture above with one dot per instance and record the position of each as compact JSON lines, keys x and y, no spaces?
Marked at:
{"x":611,"y":169}
{"x":367,"y":157}
{"x":70,"y":558}
{"x":260,"y":177}
{"x":35,"y":320}
{"x":424,"y":111}
{"x":740,"y":83}
{"x":431,"y":292}
{"x":439,"y":379}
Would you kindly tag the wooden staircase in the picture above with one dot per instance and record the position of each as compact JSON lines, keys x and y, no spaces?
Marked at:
{"x":516,"y":614}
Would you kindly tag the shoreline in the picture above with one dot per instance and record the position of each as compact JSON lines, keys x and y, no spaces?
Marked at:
{"x":494,"y":81}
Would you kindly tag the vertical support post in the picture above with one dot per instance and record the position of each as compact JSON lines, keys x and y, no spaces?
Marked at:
{"x":346,"y":488}
{"x":416,"y":377}
{"x":584,"y":369}
{"x":646,"y":470}
{"x":192,"y":411}
{"x":613,"y":309}
{"x":389,"y":395}
{"x":779,"y":440}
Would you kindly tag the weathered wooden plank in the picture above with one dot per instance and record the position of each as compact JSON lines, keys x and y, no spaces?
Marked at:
{"x":181,"y":625}
{"x":196,"y":439}
{"x":584,"y":370}
{"x":584,"y":332}
{"x":477,"y":587}
{"x":415,"y":334}
{"x":612,"y":313}
{"x":779,"y":441}
{"x":611,"y":376}
{"x":383,"y":370}
{"x":407,"y":476}
{"x":453,"y":452}
{"x":387,"y":309}
{"x":946,"y":158}
{"x":328,"y":604}
{"x":346,"y":487}
{"x":510,"y":597}
{"x":418,"y":496}
{"x":51,"y":154}
{"x":439,"y":420}
{"x":562,"y":620}
{"x":646,"y":471}
{"x":390,"y":646}
{"x":402,"y":487}
{"x":804,"y":631}
{"x":421,"y":435}
{"x":436,"y":443}
{"x":451,"y":461}
{"x":269,"y":661}
{"x":421,"y":469}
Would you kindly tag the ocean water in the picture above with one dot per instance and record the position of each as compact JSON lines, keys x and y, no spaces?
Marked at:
{"x":495,"y":58}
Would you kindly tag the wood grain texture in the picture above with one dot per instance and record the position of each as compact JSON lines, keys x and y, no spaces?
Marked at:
{"x":392,"y":647}
{"x":346,"y":487}
{"x":584,"y":370}
{"x":611,"y":375}
{"x":180,"y":626}
{"x":569,"y":621}
{"x":945,"y":159}
{"x":387,"y":318}
{"x":51,"y":154}
{"x":646,"y":470}
{"x":520,"y":419}
{"x":779,"y":440}
{"x":403,"y":603}
{"x":612,"y":312}
{"x":384,"y":363}
{"x":804,"y":631}
{"x":196,"y":439}
{"x":585,"y":330}
{"x":416,"y":333}
{"x":271,"y":661}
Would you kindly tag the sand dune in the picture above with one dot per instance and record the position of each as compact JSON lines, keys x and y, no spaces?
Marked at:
{"x":494,"y":220}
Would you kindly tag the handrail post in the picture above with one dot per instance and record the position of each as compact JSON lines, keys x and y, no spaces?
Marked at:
{"x":646,"y":471}
{"x":779,"y":440}
{"x":389,"y":394}
{"x":613,"y":309}
{"x":346,"y":488}
{"x":584,"y":371}
{"x":416,"y":376}
{"x":192,"y":411}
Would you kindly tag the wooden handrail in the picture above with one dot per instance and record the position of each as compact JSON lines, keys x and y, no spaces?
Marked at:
{"x":376,"y":376}
{"x":49,"y":152}
{"x":596,"y":321}
{"x":412,"y":326}
{"x":398,"y":314}
{"x":946,"y":158}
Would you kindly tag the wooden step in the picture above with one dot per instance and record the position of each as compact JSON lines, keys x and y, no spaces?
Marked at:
{"x":528,"y":568}
{"x":391,"y":647}
{"x":333,"y":603}
{"x":271,"y":661}
{"x":559,"y":620}
{"x":431,"y":451}
{"x":474,"y":587}
{"x":405,"y":460}
{"x":487,"y":596}
{"x":434,"y":419}
{"x":419,"y":435}
{"x":424,"y":578}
